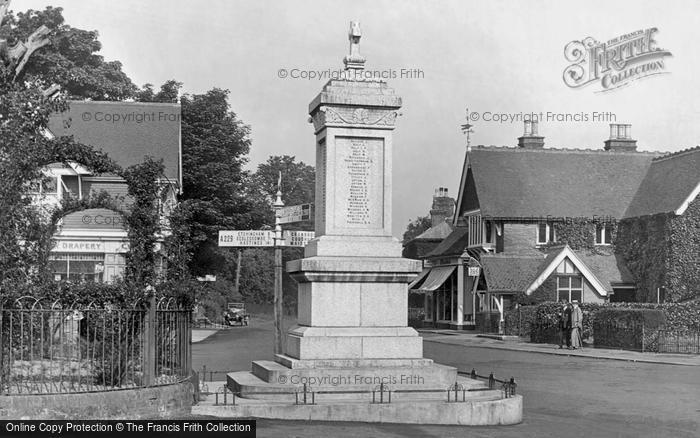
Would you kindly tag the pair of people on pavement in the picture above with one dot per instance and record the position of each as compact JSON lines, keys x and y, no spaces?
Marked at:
{"x":570,"y":325}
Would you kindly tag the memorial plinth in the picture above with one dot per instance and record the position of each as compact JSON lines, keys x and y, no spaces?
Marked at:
{"x":352,"y":282}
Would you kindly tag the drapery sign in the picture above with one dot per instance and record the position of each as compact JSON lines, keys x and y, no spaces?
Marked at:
{"x":298,"y":238}
{"x":246,"y":238}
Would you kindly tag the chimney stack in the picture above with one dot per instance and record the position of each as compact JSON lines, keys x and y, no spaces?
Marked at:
{"x":530,"y":139}
{"x":443,"y":207}
{"x":620,"y":138}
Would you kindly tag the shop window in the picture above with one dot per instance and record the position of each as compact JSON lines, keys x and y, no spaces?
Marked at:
{"x":77,"y":267}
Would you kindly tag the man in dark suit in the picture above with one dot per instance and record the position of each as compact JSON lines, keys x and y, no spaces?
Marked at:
{"x":565,"y":326}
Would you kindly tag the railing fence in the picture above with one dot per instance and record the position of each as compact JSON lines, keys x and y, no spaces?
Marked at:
{"x":54,"y":347}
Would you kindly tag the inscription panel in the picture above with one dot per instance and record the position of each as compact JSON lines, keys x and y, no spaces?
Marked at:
{"x":359,"y":183}
{"x":320,"y":198}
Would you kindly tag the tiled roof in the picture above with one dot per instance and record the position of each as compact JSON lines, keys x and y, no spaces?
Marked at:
{"x":126,"y":131}
{"x":536,"y":183}
{"x":439,"y":231}
{"x":117,"y":190}
{"x":454,"y":244}
{"x":510,"y":273}
{"x":608,"y":268}
{"x":668,"y":183}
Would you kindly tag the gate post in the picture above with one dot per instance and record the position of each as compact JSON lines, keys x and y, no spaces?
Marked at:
{"x":149,"y":344}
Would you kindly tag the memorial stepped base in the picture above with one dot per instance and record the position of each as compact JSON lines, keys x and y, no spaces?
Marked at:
{"x":480,"y":408}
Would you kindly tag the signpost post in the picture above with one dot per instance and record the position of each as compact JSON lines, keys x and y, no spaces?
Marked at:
{"x":277,"y":239}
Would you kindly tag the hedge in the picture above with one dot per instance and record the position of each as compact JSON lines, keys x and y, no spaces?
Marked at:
{"x":630,"y":329}
{"x":541,"y":321}
{"x":518,"y":320}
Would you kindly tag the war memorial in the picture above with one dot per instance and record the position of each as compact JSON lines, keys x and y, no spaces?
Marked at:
{"x":351,"y":356}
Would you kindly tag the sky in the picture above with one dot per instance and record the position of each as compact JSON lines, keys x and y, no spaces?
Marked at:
{"x":467,"y":57}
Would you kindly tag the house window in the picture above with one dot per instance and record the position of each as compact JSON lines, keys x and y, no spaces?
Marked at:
{"x":545,"y":233}
{"x":602,"y":234}
{"x":45,"y":186}
{"x":570,"y":288}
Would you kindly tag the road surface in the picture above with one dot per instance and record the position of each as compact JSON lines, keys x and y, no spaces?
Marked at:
{"x":563,"y":396}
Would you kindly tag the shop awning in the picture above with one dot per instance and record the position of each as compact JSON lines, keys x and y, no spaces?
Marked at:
{"x":415,"y":283}
{"x":437,"y":276}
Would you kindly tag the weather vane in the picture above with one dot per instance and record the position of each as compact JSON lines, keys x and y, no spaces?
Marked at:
{"x":467,"y":130}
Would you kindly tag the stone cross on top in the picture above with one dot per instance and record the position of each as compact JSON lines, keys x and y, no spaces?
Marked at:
{"x":354,"y":60}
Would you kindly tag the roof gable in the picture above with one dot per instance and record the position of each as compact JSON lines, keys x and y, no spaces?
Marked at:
{"x":554,"y":259}
{"x":671,"y":183}
{"x":535,"y":183}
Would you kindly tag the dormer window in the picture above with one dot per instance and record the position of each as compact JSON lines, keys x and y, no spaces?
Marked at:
{"x":545,"y":233}
{"x":602,"y":234}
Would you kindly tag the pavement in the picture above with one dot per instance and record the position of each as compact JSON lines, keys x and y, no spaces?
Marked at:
{"x":469,"y":339}
{"x":198,"y":335}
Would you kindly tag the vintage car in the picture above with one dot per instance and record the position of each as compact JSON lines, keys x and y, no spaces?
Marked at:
{"x":236,"y":314}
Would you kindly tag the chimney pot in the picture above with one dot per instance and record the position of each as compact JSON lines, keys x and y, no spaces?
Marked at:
{"x":620,"y":138}
{"x":530,"y":139}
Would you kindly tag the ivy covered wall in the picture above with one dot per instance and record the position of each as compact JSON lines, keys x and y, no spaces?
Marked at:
{"x":579,"y":234}
{"x":683,"y":275}
{"x":644,"y":244}
{"x":664,"y":251}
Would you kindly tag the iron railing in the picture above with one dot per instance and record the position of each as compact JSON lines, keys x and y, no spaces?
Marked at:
{"x":679,"y":341}
{"x":48,"y":348}
{"x":381,"y":394}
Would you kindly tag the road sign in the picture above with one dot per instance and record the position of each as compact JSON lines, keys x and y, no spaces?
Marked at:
{"x":298,"y":238}
{"x":246,"y":238}
{"x":295,"y":213}
{"x":473,"y":271}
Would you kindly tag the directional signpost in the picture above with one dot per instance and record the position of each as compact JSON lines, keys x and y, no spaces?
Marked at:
{"x":296,"y":213}
{"x":247,"y":238}
{"x":298,"y":238}
{"x":277,"y":239}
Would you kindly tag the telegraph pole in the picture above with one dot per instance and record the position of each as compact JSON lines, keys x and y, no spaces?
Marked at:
{"x":277,"y":301}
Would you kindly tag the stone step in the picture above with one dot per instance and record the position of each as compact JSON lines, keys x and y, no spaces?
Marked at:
{"x":248,"y":385}
{"x":432,"y":375}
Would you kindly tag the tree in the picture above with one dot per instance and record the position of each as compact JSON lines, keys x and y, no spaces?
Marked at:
{"x":298,"y":184}
{"x":416,"y":227}
{"x":71,"y":59}
{"x":298,"y":187}
{"x":26,"y":227}
{"x":168,"y":93}
{"x":216,"y":188}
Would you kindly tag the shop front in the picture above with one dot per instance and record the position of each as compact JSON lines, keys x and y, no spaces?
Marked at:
{"x":91,"y":245}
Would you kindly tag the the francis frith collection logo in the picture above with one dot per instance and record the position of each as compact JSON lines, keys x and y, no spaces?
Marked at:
{"x":615,"y":63}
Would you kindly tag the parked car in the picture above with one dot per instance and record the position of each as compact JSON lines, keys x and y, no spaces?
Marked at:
{"x":236,"y":314}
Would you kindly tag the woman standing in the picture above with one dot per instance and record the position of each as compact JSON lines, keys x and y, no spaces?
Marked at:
{"x":576,"y":325}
